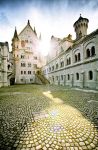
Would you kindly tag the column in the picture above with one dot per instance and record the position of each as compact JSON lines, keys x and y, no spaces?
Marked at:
{"x":72,"y":80}
{"x":82,"y":80}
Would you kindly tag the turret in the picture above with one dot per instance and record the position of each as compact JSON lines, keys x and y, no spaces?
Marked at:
{"x":15,"y":37}
{"x":35,"y":31}
{"x":28,"y":23}
{"x":80,"y":27}
{"x":40,"y":37}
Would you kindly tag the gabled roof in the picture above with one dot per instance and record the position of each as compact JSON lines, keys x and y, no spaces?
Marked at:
{"x":28,"y":24}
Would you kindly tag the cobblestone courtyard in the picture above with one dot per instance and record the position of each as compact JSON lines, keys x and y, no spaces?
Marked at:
{"x":37,"y":117}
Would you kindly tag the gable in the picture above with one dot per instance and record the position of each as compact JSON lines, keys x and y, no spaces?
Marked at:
{"x":27,"y":33}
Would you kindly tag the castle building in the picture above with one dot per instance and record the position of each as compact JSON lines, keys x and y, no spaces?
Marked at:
{"x":69,"y":62}
{"x":26,"y":55}
{"x":74,"y":63}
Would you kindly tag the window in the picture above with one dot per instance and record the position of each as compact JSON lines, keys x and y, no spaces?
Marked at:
{"x":22,"y":43}
{"x":23,"y":65}
{"x":61,"y":77}
{"x":49,"y":69}
{"x":21,"y":72}
{"x":56,"y":66}
{"x":33,"y":72}
{"x":35,"y":58}
{"x":79,"y":58}
{"x":21,"y":80}
{"x":62,"y":64}
{"x":68,"y":61}
{"x":53,"y":78}
{"x":92,"y":51}
{"x":56,"y":77}
{"x":52,"y":68}
{"x":90,"y":75}
{"x":8,"y":67}
{"x":77,"y":76}
{"x":68,"y":77}
{"x":29,"y":64}
{"x":75,"y":58}
{"x":29,"y":72}
{"x":31,"y":80}
{"x":88,"y":53}
{"x":35,"y":66}
{"x":24,"y":72}
{"x":22,"y":56}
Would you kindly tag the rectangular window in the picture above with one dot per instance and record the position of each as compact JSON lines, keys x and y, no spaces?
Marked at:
{"x":24,"y":72}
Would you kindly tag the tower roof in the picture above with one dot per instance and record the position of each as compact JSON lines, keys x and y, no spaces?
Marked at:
{"x":80,"y":19}
{"x":28,"y":22}
{"x":35,"y":31}
{"x":15,"y":34}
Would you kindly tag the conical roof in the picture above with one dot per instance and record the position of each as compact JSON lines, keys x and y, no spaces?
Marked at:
{"x":80,"y":19}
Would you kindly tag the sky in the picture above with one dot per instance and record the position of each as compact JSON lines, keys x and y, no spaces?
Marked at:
{"x":50,"y":17}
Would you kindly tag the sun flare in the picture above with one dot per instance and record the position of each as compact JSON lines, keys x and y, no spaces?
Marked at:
{"x":44,"y":47}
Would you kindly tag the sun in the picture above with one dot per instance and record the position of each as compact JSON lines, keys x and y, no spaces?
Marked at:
{"x":44,"y":47}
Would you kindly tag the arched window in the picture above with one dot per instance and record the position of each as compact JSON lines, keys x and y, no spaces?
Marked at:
{"x":88,"y":53}
{"x":61,"y":77}
{"x":23,"y":64}
{"x":79,"y":57}
{"x":62,"y":64}
{"x":68,"y":77}
{"x":80,"y":34}
{"x":49,"y":69}
{"x":8,"y":67}
{"x":84,"y":24}
{"x":52,"y":68}
{"x":93,"y":51}
{"x":75,"y":58}
{"x":77,"y":76}
{"x":56,"y":66}
{"x":69,"y":60}
{"x":53,"y":78}
{"x":90,"y":75}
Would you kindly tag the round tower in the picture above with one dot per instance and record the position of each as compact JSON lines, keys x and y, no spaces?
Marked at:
{"x":80,"y":27}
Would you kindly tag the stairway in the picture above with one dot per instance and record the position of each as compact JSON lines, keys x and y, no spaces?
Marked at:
{"x":42,"y":78}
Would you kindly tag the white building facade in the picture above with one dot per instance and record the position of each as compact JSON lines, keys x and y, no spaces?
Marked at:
{"x":75,"y":62}
{"x":27,"y":57}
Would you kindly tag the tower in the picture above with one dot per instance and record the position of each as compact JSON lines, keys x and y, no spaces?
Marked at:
{"x":15,"y":44}
{"x":80,"y":27}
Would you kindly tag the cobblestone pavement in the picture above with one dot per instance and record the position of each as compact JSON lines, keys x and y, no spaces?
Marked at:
{"x":36,"y":119}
